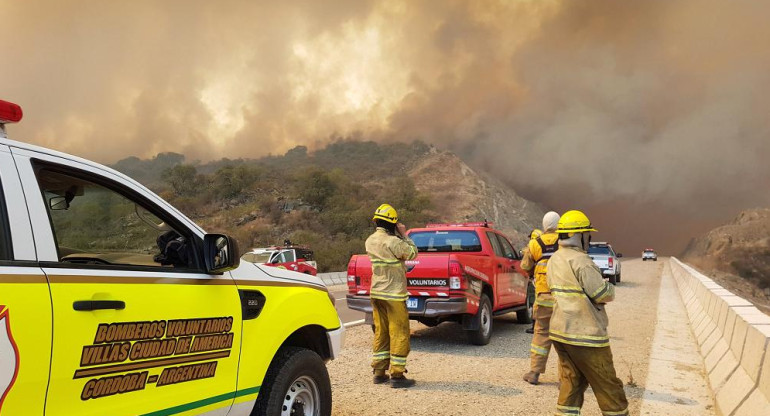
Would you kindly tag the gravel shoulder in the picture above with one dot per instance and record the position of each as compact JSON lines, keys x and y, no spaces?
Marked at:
{"x":456,"y":378}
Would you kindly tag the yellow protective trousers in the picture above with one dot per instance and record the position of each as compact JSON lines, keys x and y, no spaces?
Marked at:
{"x":580,"y":367}
{"x":541,"y":343}
{"x":391,"y":336}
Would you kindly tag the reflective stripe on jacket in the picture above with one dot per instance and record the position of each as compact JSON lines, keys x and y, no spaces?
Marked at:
{"x":536,"y":256}
{"x":387,"y":254}
{"x":580,"y":292}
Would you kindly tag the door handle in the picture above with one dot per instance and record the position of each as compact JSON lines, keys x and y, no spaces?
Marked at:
{"x":93,"y":305}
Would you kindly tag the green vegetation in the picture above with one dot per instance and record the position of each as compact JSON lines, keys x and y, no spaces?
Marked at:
{"x":323,"y":199}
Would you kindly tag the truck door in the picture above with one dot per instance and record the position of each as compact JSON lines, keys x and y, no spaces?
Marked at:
{"x":25,"y":304}
{"x":501,"y":272}
{"x":138,"y":327}
{"x":516,"y":281}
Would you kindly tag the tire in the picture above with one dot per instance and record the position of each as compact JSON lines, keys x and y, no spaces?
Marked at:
{"x":482,"y":335}
{"x":296,"y":381}
{"x":613,"y":279}
{"x":618,"y":278}
{"x":524,"y":316}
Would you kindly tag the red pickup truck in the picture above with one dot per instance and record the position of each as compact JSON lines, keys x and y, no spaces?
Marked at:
{"x":466,"y":273}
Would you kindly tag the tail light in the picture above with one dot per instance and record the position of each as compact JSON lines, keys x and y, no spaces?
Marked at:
{"x":456,"y":278}
{"x":610,"y":262}
{"x":352,"y":273}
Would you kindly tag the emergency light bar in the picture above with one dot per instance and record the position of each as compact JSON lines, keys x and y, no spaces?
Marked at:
{"x":9,"y":112}
{"x":461,"y":224}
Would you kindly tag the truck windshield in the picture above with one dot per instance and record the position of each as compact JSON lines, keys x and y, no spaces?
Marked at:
{"x":599,"y":250}
{"x":446,"y":241}
{"x":263,"y":257}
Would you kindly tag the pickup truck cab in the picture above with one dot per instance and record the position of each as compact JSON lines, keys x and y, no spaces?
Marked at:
{"x":607,"y":259}
{"x":466,"y":273}
{"x":112,"y":302}
{"x":297,"y":258}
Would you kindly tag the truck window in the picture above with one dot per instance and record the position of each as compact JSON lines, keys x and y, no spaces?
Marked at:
{"x":287,"y":256}
{"x":5,"y":233}
{"x":446,"y":241}
{"x":495,"y":244}
{"x":508,"y":250}
{"x":95,"y":225}
{"x":599,"y":250}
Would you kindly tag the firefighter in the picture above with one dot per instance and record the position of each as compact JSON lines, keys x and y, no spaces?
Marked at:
{"x":535,"y":260}
{"x":535,"y":233}
{"x":579,"y":322}
{"x":388,"y":248}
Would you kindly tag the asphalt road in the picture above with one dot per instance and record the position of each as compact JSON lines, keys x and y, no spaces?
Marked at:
{"x":347,"y":315}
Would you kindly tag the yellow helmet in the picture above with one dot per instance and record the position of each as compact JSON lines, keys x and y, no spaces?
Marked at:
{"x":386,"y":213}
{"x":535,"y":234}
{"x":574,"y":222}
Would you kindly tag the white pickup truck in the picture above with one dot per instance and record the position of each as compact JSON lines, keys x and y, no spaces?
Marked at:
{"x":608,"y":261}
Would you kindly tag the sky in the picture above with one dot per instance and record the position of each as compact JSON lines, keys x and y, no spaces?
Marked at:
{"x":652,"y":116}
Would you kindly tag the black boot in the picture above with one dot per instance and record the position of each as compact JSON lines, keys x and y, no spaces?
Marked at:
{"x":380,"y":378}
{"x":531,"y":330}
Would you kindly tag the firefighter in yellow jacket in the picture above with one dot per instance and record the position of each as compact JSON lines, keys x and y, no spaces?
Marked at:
{"x":536,"y":256}
{"x":388,"y":248}
{"x":579,"y":322}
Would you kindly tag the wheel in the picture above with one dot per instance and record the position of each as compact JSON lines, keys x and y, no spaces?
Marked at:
{"x":618,"y":278}
{"x":613,"y":279}
{"x":483,"y":334}
{"x":524,"y":316}
{"x":656,"y":259}
{"x":644,"y":259}
{"x":296,"y":383}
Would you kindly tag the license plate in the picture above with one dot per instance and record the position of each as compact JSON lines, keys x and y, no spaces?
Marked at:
{"x":412,"y":303}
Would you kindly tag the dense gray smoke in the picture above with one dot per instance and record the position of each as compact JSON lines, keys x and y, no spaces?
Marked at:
{"x":650,"y":116}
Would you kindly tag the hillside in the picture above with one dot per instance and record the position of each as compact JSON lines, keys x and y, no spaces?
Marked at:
{"x":325,"y":199}
{"x":737,"y":255}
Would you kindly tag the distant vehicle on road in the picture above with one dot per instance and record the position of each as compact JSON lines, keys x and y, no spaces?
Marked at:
{"x":649,"y":254}
{"x":295,"y":258}
{"x":463,"y":272}
{"x":605,"y":257}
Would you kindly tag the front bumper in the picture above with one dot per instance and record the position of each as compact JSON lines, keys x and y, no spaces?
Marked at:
{"x":430,"y":307}
{"x":336,"y":339}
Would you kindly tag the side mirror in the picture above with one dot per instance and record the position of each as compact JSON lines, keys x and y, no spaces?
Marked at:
{"x":620,"y":255}
{"x":220,"y":253}
{"x":58,"y":203}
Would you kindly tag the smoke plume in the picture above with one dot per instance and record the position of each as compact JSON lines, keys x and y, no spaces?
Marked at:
{"x":650,"y":116}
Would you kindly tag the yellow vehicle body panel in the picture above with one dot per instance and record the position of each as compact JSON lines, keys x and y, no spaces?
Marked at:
{"x":25,"y":340}
{"x":288,"y":308}
{"x":173,"y":350}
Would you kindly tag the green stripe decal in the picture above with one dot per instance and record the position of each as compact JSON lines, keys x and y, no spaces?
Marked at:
{"x":204,"y":402}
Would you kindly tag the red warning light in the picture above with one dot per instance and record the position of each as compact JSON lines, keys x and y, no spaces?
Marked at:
{"x":9,"y":112}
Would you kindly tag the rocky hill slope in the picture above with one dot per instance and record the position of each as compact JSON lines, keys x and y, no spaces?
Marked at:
{"x":460,"y":193}
{"x":737,"y":255}
{"x":325,"y":198}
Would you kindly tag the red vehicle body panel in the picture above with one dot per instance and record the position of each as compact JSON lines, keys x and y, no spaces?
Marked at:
{"x":428,"y":276}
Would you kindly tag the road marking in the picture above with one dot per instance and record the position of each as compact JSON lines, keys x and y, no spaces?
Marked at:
{"x":354,"y":323}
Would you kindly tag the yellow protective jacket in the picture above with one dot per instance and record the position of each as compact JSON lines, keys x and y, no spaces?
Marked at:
{"x":387,"y":254}
{"x":580,"y":292}
{"x":536,"y":257}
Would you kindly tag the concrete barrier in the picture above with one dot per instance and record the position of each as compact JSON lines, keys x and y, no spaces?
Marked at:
{"x":734,"y":340}
{"x":334,"y":278}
